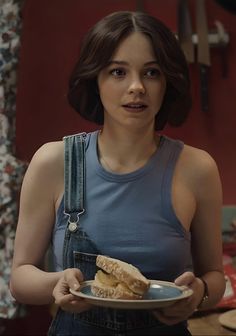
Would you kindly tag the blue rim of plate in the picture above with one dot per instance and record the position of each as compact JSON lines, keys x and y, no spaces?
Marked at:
{"x":160,"y":294}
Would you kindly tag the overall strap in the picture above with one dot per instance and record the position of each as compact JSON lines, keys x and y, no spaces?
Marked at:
{"x":74,"y":176}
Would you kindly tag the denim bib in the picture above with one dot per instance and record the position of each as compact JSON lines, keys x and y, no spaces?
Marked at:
{"x":80,"y":252}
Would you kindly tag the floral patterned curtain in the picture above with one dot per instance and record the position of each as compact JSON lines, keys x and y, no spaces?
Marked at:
{"x":11,"y":168}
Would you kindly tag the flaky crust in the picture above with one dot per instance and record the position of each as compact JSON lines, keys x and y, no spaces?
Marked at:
{"x":125,"y":273}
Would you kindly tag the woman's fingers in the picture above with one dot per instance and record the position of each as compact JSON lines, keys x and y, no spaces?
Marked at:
{"x":72,"y":304}
{"x":169,"y":320}
{"x":80,"y":305}
{"x":173,"y":314}
{"x":185,"y":279}
{"x":73,"y":277}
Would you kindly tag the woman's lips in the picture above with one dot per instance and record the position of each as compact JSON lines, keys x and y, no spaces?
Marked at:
{"x":134,"y":107}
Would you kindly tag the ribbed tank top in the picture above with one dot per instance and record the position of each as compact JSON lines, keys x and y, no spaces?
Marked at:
{"x":130,"y":216}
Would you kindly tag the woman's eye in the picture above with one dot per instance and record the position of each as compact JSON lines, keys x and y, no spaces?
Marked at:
{"x":117,"y":72}
{"x":153,"y":73}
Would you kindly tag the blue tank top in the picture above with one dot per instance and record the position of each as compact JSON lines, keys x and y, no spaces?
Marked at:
{"x":130,"y":216}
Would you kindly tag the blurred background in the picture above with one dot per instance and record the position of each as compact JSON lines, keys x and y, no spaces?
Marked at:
{"x":39,"y":45}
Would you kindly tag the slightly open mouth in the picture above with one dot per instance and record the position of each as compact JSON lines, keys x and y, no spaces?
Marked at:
{"x":135,"y":107}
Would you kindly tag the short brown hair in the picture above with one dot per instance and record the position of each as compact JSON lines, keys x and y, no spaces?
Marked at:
{"x":97,"y":49}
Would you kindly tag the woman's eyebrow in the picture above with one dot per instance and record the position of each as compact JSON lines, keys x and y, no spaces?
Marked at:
{"x":117,"y":62}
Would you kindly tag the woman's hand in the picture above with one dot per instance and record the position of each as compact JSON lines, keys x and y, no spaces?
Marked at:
{"x":71,"y":278}
{"x":183,"y":309}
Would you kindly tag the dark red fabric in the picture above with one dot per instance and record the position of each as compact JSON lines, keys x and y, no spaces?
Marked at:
{"x":52,"y":31}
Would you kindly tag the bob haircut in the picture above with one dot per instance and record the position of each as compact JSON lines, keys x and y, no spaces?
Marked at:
{"x":97,"y":50}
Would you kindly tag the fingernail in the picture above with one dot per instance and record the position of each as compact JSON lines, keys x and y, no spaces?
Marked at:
{"x":75,"y":286}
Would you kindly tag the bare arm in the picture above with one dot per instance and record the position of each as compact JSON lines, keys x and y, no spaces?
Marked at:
{"x":40,"y":190}
{"x":206,"y":230}
{"x":201,"y":207}
{"x":41,"y":193}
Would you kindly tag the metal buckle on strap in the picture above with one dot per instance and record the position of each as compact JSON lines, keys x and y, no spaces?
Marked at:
{"x":83,"y":134}
{"x":73,"y":220}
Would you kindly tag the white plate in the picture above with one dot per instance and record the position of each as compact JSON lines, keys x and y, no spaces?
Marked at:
{"x":160,"y":294}
{"x":228,"y":319}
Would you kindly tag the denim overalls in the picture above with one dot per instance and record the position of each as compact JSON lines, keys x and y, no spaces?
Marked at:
{"x":80,"y":252}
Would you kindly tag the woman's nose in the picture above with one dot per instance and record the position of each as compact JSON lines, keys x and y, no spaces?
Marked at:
{"x":136,"y":86}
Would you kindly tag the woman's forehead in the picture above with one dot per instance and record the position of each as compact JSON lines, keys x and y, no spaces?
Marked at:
{"x":135,"y":45}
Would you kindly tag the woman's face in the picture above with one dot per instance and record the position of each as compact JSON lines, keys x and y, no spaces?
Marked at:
{"x":132,"y":86}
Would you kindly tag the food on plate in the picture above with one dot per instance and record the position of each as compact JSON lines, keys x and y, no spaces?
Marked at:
{"x":117,"y":279}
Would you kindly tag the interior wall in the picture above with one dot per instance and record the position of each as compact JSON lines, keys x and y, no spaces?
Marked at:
{"x":52,"y":31}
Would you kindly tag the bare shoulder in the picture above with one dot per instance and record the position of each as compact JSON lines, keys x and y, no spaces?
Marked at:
{"x":200,"y":168}
{"x":49,"y":154}
{"x":48,"y":160}
{"x":200,"y":161}
{"x":46,"y":169}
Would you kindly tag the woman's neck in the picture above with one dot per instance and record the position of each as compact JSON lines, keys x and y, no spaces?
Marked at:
{"x":124,"y":152}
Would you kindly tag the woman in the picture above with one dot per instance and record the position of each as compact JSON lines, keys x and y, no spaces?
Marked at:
{"x":149,"y":200}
